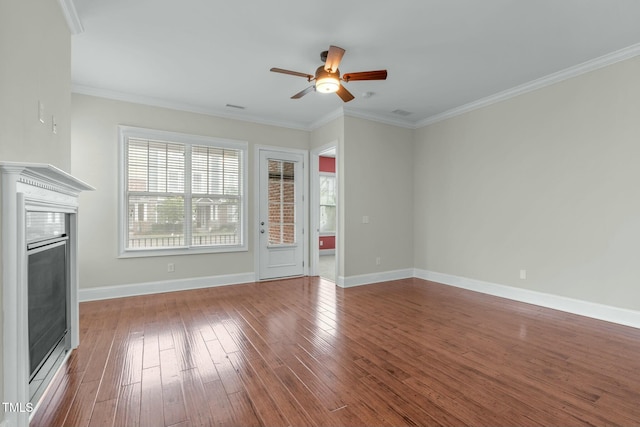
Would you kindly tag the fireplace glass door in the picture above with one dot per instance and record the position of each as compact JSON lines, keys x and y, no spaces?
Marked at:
{"x":48,"y":294}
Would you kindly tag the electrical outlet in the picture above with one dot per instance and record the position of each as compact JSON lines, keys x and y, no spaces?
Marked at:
{"x":523,"y":274}
{"x":54,"y":125}
{"x":171,"y":267}
{"x":378,"y":260}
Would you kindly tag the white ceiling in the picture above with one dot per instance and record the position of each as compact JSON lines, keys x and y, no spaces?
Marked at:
{"x":200,"y":55}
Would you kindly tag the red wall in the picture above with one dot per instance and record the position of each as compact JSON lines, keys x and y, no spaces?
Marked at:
{"x":327,"y":164}
{"x":328,"y":242}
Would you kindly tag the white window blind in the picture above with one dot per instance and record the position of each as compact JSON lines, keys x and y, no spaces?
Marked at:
{"x":182,"y":194}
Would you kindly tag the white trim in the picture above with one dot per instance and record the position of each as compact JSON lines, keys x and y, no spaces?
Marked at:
{"x":367,"y":279}
{"x":71,"y":16}
{"x":314,"y":202}
{"x":584,"y":308}
{"x":314,"y":220}
{"x":380,"y":119}
{"x":335,"y":114}
{"x":574,"y":71}
{"x":148,"y":288}
{"x":162,"y":103}
{"x":593,"y":310}
{"x":367,"y":115}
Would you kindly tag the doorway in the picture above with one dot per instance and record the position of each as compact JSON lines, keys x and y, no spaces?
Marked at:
{"x":324,"y":202}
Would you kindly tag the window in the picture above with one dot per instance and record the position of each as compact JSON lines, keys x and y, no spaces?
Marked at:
{"x":181,"y":193}
{"x":327,"y":203}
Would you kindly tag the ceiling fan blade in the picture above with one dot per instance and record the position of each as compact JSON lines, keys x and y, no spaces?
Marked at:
{"x":333,"y":58}
{"x":309,"y":77}
{"x":303,"y":92}
{"x":345,"y":94}
{"x":365,"y":75}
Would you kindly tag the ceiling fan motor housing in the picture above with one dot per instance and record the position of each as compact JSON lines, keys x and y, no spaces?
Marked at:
{"x":326,"y":81}
{"x":321,"y":73}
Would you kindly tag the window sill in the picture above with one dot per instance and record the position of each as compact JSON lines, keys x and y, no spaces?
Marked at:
{"x":148,"y":253}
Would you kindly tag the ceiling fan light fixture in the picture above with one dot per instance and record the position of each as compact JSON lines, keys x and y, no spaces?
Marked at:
{"x":327,"y":84}
{"x":327,"y":77}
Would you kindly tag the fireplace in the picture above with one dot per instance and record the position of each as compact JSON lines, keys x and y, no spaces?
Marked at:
{"x":39,"y":281}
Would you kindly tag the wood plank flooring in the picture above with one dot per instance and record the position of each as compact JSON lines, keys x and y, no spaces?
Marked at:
{"x":302,"y":352}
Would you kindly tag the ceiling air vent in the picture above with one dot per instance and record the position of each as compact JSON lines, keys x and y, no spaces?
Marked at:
{"x":401,"y":112}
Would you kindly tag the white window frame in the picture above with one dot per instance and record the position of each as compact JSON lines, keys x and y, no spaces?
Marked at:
{"x":335,"y":193}
{"x":126,"y":132}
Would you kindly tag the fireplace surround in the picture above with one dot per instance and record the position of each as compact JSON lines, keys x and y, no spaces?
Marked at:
{"x":32,"y":188}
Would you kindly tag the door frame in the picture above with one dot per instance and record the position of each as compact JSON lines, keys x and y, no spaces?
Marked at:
{"x":314,"y":202}
{"x":256,"y":204}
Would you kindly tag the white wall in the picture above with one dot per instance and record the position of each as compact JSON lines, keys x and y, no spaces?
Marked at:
{"x":547,"y":181}
{"x":377,"y":167}
{"x":35,"y":64}
{"x":95,"y":160}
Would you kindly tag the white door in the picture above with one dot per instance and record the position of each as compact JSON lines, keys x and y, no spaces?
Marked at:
{"x":281,"y":216}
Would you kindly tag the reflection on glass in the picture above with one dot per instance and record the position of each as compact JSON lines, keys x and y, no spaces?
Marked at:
{"x":45,"y":225}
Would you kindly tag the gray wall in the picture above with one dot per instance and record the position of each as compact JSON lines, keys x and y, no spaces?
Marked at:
{"x":95,"y":160}
{"x":547,"y":182}
{"x":35,"y":64}
{"x":378,"y":183}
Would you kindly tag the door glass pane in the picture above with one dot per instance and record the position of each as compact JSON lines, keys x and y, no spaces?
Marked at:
{"x":282,"y":202}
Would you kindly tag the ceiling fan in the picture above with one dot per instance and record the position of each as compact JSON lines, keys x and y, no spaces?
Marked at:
{"x":327,"y":77}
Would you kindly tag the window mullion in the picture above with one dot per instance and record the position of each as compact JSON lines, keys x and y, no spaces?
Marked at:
{"x":188,"y":197}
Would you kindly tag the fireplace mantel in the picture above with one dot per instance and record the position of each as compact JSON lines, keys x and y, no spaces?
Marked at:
{"x":30,"y":186}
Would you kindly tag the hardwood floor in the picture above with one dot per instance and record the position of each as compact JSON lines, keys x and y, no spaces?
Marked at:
{"x":302,"y":352}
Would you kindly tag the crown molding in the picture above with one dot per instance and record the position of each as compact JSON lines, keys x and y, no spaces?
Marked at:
{"x":342,"y":111}
{"x":574,"y":71}
{"x":335,"y":114}
{"x":379,"y":118}
{"x":161,"y":103}
{"x":71,"y":16}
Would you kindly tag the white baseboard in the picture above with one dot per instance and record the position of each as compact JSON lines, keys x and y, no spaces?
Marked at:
{"x":607,"y":313}
{"x":367,"y":279}
{"x":119,"y":291}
